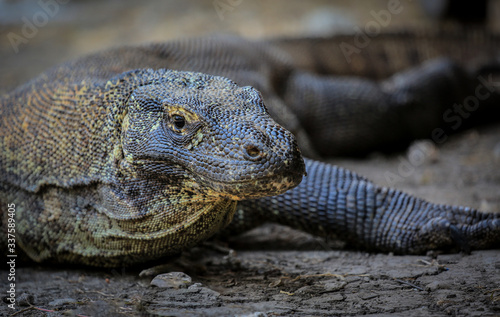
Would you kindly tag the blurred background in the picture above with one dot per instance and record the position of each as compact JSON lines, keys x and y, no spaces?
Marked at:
{"x":37,"y":34}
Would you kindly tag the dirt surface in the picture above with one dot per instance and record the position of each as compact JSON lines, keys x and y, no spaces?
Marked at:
{"x":278,"y":283}
{"x":273,"y":270}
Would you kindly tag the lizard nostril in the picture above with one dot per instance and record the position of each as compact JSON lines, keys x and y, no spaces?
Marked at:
{"x":253,"y":152}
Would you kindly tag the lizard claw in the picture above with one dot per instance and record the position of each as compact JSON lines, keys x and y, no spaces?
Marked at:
{"x":440,"y":233}
{"x":484,"y":234}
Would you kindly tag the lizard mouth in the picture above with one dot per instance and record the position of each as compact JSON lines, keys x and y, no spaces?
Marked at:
{"x":244,"y":183}
{"x":253,"y":188}
{"x":249,"y":183}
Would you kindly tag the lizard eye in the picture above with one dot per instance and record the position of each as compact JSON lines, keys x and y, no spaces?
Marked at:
{"x":178,"y":121}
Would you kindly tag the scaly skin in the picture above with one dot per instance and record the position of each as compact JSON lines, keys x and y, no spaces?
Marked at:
{"x":153,"y":163}
{"x":110,"y":163}
{"x":334,"y":202}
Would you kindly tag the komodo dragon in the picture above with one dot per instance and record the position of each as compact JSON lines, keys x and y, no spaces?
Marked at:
{"x":138,"y":152}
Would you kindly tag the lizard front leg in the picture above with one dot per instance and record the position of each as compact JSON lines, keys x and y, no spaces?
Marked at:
{"x":335,"y":202}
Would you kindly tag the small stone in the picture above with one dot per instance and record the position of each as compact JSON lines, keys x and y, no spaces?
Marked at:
{"x":173,"y":280}
{"x":436,"y":285}
{"x":334,"y":285}
{"x":486,"y":206}
{"x":63,"y":301}
{"x":422,"y":152}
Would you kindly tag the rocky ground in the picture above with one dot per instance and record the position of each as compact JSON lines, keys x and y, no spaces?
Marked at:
{"x":273,"y":270}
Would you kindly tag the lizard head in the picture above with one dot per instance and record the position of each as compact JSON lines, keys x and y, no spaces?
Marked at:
{"x":207,"y":129}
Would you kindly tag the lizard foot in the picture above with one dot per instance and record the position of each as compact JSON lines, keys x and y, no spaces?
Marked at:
{"x":440,"y":233}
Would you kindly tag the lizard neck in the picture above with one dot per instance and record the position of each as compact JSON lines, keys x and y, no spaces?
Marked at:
{"x":108,"y":226}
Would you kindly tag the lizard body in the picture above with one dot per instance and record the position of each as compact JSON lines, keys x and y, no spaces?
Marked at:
{"x":112,"y":160}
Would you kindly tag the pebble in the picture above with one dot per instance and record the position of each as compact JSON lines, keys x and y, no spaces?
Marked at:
{"x":422,"y":152}
{"x":334,"y":285}
{"x":174,"y":280}
{"x":486,"y":206}
{"x":436,"y":285}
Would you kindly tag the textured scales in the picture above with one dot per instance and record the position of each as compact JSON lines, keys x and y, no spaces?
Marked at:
{"x":127,"y":183}
{"x":113,"y":160}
